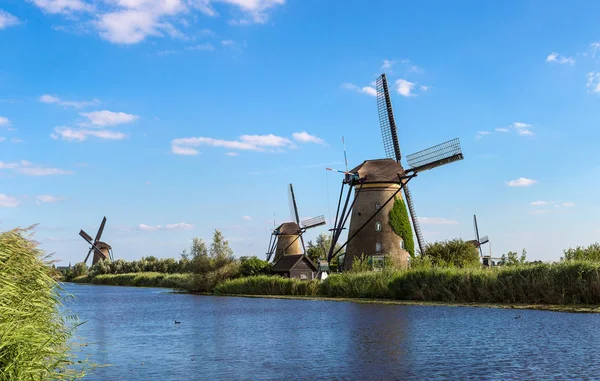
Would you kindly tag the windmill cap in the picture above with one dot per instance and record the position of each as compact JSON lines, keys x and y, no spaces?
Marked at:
{"x":288,"y":228}
{"x":379,"y":171}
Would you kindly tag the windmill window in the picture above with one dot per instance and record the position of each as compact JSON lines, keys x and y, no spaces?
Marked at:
{"x":377,"y":206}
{"x":377,"y":226}
{"x":401,"y":243}
{"x":378,"y":247}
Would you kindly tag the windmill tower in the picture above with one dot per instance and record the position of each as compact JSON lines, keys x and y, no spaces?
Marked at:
{"x":478,"y":242}
{"x":287,"y":239}
{"x":102,"y":250}
{"x":377,"y":184}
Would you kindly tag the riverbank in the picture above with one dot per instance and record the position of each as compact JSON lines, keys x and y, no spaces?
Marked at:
{"x":572,"y":286}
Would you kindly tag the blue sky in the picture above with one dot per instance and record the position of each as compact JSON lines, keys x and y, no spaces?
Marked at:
{"x":176,"y":117}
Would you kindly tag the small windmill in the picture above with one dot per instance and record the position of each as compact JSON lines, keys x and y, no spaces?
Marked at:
{"x":101,"y":250}
{"x":376,"y":184}
{"x":287,"y":238}
{"x":478,"y":242}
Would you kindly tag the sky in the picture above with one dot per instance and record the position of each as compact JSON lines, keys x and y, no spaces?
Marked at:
{"x":173,"y":118}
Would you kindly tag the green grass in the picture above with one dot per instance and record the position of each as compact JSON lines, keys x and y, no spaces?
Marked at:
{"x":34,"y":336}
{"x":146,"y":279}
{"x":565,"y":283}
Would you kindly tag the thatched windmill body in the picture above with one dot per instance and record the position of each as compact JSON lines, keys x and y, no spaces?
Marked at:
{"x":376,"y":184}
{"x":286,"y":239}
{"x":102,"y":250}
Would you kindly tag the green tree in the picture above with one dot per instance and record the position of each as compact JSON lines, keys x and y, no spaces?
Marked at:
{"x":523,"y":258}
{"x":220,"y":252}
{"x":454,"y":252}
{"x":79,"y":269}
{"x":253,"y":266}
{"x":401,"y":225}
{"x":320,"y":249}
{"x":590,"y":253}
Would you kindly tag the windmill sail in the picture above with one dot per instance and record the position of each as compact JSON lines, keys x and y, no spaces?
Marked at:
{"x":387,"y":123}
{"x":438,"y":155}
{"x":294,"y":212}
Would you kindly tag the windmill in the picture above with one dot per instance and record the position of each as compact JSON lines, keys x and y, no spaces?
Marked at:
{"x":287,"y":239}
{"x":478,"y":242}
{"x":376,"y":183}
{"x":102,"y":250}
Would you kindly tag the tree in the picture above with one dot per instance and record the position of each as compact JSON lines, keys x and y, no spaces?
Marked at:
{"x":220,"y":250}
{"x":523,"y":258}
{"x":320,"y":249}
{"x":455,"y":252}
{"x":79,"y":269}
{"x":254,"y":266}
{"x":590,"y":253}
{"x":401,"y":225}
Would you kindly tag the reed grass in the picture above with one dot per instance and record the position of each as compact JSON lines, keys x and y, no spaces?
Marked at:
{"x":34,"y":336}
{"x":145,"y":279}
{"x":268,"y":285}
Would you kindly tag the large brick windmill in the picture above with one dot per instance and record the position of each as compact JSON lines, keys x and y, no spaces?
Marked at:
{"x":377,"y":184}
{"x":102,"y":250}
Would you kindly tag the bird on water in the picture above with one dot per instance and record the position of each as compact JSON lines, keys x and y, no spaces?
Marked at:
{"x":177,"y":322}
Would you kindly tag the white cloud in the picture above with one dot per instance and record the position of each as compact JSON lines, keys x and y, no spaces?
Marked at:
{"x":595,"y":48}
{"x":387,"y":64}
{"x":63,"y":6}
{"x":369,"y":90}
{"x":27,"y":168}
{"x":71,"y":134}
{"x":405,"y":88}
{"x":593,"y":81}
{"x":557,"y":58}
{"x":247,"y":218}
{"x":201,"y":47}
{"x":227,"y":43}
{"x":305,"y":137}
{"x":7,"y":201}
{"x":502,"y":129}
{"x":182,"y":146}
{"x":4,"y":121}
{"x":232,"y":154}
{"x":540,"y":202}
{"x":521,"y":182}
{"x":179,"y":150}
{"x":568,"y":204}
{"x":7,"y":20}
{"x":436,"y":221}
{"x":524,"y":132}
{"x":16,"y":140}
{"x":540,"y":211}
{"x":47,"y":199}
{"x":255,"y":10}
{"x":521,"y":128}
{"x":179,"y":226}
{"x":108,"y":118}
{"x":481,"y":134}
{"x":47,"y":98}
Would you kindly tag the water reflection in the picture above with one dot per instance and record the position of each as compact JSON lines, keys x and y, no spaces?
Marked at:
{"x":225,"y":338}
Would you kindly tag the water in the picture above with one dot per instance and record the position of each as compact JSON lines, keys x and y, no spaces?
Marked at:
{"x":227,"y":338}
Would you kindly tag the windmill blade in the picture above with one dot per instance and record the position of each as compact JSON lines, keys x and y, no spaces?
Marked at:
{"x":387,"y":123}
{"x":88,"y":254}
{"x":99,"y":235}
{"x":415,"y":220}
{"x":477,"y":235}
{"x":85,"y":236}
{"x":313,"y":222}
{"x":293,"y":206}
{"x":438,"y":155}
{"x":484,"y":240}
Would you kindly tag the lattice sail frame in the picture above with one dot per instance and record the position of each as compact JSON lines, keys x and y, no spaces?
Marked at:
{"x":387,"y":123}
{"x":435,"y":156}
{"x":313,"y":222}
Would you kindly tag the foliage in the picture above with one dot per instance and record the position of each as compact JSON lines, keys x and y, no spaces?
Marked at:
{"x":142,"y":279}
{"x":511,"y":259}
{"x":214,"y":267}
{"x":453,"y":253}
{"x":360,"y":263}
{"x":268,"y":285}
{"x":401,"y":225}
{"x":253,"y":266}
{"x":34,"y":336}
{"x":372,"y":284}
{"x":590,"y":253}
{"x":320,"y":249}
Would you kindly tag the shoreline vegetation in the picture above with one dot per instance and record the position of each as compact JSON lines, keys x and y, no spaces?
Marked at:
{"x":450,"y":273}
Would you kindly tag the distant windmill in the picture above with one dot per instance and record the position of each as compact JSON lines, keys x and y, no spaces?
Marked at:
{"x":478,"y":242}
{"x":101,"y":250}
{"x":376,"y":184}
{"x":287,"y":239}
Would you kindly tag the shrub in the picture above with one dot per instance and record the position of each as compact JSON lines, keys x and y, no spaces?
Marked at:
{"x":253,"y":266}
{"x":268,"y":285}
{"x":34,"y":336}
{"x":455,"y":252}
{"x":590,"y":253}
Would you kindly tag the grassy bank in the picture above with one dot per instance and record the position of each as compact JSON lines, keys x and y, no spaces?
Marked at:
{"x":33,"y":335}
{"x":145,"y":279}
{"x":565,"y":283}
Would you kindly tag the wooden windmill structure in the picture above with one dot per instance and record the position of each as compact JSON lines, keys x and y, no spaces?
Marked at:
{"x":486,"y":260}
{"x":376,"y":184}
{"x":286,"y":239}
{"x":102,"y":250}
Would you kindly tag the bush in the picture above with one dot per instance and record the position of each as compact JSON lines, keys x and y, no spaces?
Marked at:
{"x":401,"y":225}
{"x":590,"y":253}
{"x":145,"y":279}
{"x":34,"y":336}
{"x":253,"y":266}
{"x":453,"y":253}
